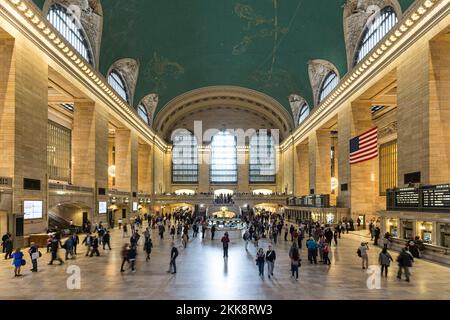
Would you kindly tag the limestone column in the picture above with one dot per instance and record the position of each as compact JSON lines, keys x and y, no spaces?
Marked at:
{"x":301,"y":169}
{"x":344,"y":136}
{"x":90,"y":145}
{"x":23,"y":126}
{"x":320,"y":162}
{"x":126,"y":160}
{"x":144,"y":168}
{"x":413,"y":116}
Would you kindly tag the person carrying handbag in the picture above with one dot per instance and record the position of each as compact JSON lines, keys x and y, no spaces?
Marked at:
{"x":35,"y":254}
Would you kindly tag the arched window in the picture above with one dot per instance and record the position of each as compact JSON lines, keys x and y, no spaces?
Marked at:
{"x":184,"y":157}
{"x":224,"y":158}
{"x":304,"y":113}
{"x":115,"y":79}
{"x":263,"y":156}
{"x":376,"y":30}
{"x":142,"y":112}
{"x":70,"y":28}
{"x":329,"y":83}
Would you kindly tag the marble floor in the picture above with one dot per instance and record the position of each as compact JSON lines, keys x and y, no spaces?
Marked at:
{"x":204,"y":275}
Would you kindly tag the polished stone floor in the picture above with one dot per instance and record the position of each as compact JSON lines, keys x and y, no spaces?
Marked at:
{"x":203,"y":275}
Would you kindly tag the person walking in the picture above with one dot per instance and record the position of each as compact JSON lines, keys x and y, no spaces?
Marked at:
{"x":185,"y":239}
{"x":270,"y":259}
{"x":35,"y":254}
{"x":260,"y":260}
{"x":68,"y":246}
{"x":173,"y":258}
{"x":125,"y":230}
{"x":336,"y":235}
{"x":294,"y":255}
{"x":75,"y":243}
{"x":286,"y":232}
{"x":18,"y":262}
{"x":107,"y":240}
{"x":311,"y":245}
{"x":326,"y":253}
{"x":247,"y":239}
{"x":362,"y":253}
{"x":172,"y":232}
{"x":385,"y":261}
{"x":213,"y":231}
{"x":405,"y":260}
{"x":87,"y":241}
{"x":8,"y":248}
{"x":95,"y":244}
{"x":119,"y":222}
{"x":54,"y":246}
{"x":225,"y":242}
{"x":132,"y":253}
{"x":148,"y":245}
{"x":161,"y":230}
{"x":124,"y":252}
{"x":5,"y":237}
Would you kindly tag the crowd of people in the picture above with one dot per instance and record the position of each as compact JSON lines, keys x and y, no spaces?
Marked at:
{"x":317,"y":240}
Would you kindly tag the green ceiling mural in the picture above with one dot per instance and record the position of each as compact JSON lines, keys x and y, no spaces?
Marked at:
{"x":263,"y":45}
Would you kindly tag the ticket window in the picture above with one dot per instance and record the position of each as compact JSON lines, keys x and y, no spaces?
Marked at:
{"x":426,"y":231}
{"x":408,"y":230}
{"x":445,"y":235}
{"x":392,"y":227}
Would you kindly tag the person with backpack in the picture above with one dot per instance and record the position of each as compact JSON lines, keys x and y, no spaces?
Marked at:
{"x":405,"y":260}
{"x":270,"y":259}
{"x":362,"y":253}
{"x":294,"y":255}
{"x":385,"y":259}
{"x":260,"y":260}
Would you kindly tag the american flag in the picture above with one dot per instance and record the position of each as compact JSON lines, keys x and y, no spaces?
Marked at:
{"x":364,"y":147}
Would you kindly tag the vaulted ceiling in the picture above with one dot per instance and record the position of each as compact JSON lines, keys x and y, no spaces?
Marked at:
{"x":264,"y":45}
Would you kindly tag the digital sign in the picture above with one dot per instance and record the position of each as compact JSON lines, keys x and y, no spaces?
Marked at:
{"x":427,"y":198}
{"x":32,"y":210}
{"x":102,"y":207}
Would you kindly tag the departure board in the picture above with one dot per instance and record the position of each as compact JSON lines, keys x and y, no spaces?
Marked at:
{"x":407,"y":198}
{"x":436,"y":196}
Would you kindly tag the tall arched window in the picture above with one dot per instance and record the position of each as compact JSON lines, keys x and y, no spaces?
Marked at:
{"x":329,"y":83}
{"x":184,"y":157}
{"x":376,"y":30}
{"x":224,"y":158}
{"x":263,"y":156}
{"x":143,"y":113}
{"x":115,"y":79}
{"x":70,"y":28}
{"x":304,"y":113}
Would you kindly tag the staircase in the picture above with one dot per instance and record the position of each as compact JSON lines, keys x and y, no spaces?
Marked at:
{"x":55,"y":220}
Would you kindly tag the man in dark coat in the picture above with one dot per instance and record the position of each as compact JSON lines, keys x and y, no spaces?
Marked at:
{"x":405,"y":260}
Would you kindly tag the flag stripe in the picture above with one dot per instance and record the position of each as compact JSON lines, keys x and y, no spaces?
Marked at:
{"x":364,"y":147}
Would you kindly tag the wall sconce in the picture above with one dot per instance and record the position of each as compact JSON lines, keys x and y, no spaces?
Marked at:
{"x":112,"y":171}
